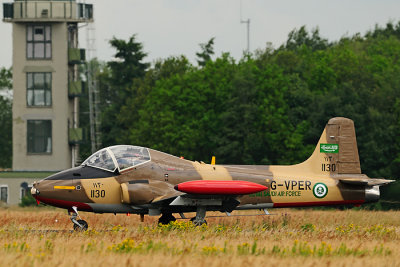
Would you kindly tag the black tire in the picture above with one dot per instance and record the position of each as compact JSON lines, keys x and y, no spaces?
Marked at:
{"x":84,"y":226}
{"x":166,"y":218}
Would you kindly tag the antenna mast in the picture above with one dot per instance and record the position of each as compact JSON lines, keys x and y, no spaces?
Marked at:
{"x":248,"y":28}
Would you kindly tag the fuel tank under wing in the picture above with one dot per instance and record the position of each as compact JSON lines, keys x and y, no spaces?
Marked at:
{"x":210,"y":187}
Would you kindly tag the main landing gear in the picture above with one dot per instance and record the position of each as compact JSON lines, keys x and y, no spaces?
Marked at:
{"x":200,"y":215}
{"x":166,"y":218}
{"x":199,"y":220}
{"x":79,"y":225}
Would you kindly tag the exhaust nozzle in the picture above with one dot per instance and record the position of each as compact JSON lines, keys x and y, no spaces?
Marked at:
{"x":372,"y":193}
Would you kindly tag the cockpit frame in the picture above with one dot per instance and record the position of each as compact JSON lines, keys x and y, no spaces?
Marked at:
{"x":118,"y":158}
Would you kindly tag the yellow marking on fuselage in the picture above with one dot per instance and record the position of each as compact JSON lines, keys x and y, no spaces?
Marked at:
{"x":212,"y":172}
{"x":64,"y":187}
{"x":104,"y":190}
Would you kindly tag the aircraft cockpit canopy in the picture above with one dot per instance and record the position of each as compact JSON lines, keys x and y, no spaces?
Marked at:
{"x":119,"y":157}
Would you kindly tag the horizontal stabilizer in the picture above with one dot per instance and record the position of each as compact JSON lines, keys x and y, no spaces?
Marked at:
{"x":211,"y":187}
{"x":365,"y":181}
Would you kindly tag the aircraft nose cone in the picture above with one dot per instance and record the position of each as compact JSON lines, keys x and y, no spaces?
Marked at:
{"x":34,"y":191}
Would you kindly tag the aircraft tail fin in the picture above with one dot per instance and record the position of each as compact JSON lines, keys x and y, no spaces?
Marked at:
{"x":336,"y":151}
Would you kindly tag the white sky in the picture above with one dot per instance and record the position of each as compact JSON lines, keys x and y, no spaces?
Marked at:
{"x":175,"y":27}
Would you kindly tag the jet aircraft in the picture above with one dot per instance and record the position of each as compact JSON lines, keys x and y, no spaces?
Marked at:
{"x":138,"y":180}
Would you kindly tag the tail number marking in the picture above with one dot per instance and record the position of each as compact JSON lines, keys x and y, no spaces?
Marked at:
{"x":97,"y":193}
{"x":288,"y":188}
{"x":292,"y":185}
{"x":328,"y":167}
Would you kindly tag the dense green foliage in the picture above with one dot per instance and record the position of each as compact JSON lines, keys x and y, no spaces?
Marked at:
{"x":5,"y":120}
{"x":27,"y":201}
{"x":270,"y":107}
{"x":5,"y":133}
{"x":207,"y":50}
{"x":118,"y":88}
{"x":5,"y":78}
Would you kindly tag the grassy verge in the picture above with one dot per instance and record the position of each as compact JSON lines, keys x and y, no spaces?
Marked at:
{"x":42,"y":237}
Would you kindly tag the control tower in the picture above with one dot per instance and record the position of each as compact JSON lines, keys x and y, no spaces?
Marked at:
{"x":46,"y":82}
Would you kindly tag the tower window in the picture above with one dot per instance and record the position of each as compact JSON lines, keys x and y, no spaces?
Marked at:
{"x":39,"y":136}
{"x":38,"y":92}
{"x":38,"y":42}
{"x":4,"y":193}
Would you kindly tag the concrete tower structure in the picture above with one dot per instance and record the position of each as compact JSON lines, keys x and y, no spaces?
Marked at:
{"x":46,"y":82}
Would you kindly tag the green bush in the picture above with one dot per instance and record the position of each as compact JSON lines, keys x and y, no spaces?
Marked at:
{"x":27,"y":201}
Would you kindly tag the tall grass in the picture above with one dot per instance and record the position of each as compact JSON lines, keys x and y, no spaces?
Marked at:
{"x":44,"y":237}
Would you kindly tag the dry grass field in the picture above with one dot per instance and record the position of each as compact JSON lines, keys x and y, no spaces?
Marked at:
{"x":42,"y":237}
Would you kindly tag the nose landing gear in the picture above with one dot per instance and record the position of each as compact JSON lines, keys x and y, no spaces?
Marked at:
{"x":79,"y":225}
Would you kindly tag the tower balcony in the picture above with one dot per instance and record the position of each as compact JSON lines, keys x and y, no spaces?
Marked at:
{"x":76,"y":88}
{"x":47,"y":11}
{"x":76,"y":56}
{"x":75,"y":136}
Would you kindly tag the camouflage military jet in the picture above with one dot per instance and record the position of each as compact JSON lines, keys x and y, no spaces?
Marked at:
{"x":139,"y":180}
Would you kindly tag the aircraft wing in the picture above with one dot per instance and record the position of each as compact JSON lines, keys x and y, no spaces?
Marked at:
{"x":218,"y":194}
{"x":139,"y":192}
{"x":366,"y":181}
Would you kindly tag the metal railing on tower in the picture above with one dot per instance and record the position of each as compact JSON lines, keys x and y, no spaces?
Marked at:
{"x":94,"y":111}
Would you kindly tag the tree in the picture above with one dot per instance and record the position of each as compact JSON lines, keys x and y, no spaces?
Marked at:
{"x":267,"y":108}
{"x":207,"y":50}
{"x":180,"y":113}
{"x":128,"y":63}
{"x":117,"y":85}
{"x":5,"y":133}
{"x":5,"y":78}
{"x":5,"y":120}
{"x":298,"y":38}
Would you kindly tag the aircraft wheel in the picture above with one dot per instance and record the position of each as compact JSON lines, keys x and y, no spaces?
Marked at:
{"x":84,"y":226}
{"x":166,"y":218}
{"x":198,"y":223}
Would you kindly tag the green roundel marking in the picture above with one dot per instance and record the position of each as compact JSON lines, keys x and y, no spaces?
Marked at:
{"x":320,"y":190}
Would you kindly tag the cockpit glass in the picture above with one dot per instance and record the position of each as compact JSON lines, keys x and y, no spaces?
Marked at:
{"x":121,"y":156}
{"x":101,"y":159}
{"x":129,"y":156}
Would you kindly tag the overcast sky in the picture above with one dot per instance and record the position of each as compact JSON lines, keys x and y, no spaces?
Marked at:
{"x":175,"y":27}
